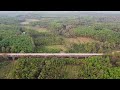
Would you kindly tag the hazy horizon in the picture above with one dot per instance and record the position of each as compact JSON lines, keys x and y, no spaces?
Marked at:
{"x":57,"y":12}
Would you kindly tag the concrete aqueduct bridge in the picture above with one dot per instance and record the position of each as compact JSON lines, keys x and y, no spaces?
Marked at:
{"x":50,"y":55}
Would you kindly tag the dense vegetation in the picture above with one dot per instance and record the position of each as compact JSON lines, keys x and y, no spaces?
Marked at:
{"x":56,"y":68}
{"x":87,"y":34}
{"x":23,"y":39}
{"x":9,"y":21}
{"x":13,"y":40}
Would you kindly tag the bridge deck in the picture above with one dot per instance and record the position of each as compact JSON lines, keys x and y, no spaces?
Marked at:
{"x":50,"y":54}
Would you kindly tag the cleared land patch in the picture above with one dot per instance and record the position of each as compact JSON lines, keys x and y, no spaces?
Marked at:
{"x":80,"y":40}
{"x":37,"y":29}
{"x":40,"y":29}
{"x":60,"y":47}
{"x":27,"y":21}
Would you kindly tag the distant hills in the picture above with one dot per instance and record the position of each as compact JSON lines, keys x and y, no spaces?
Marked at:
{"x":39,"y":14}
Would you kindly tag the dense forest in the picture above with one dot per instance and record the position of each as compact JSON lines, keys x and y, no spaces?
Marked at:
{"x":34,"y":33}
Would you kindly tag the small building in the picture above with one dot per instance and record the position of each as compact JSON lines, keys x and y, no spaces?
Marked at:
{"x":24,"y":33}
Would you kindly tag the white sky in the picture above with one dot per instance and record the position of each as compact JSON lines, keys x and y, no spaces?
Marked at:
{"x":58,"y":12}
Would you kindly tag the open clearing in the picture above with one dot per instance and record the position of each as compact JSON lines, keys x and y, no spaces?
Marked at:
{"x":39,"y":29}
{"x":80,"y":40}
{"x":61,"y":47}
{"x":32,"y":20}
{"x":27,"y":21}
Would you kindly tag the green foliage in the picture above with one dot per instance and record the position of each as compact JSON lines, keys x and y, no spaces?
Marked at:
{"x":94,"y":47}
{"x":22,"y":43}
{"x":44,"y":49}
{"x":52,"y":40}
{"x":104,"y":35}
{"x":43,"y":39}
{"x":3,"y":49}
{"x":55,"y":68}
{"x":26,"y":69}
{"x":42,"y":24}
{"x":5,"y":67}
{"x":17,"y":39}
{"x":14,"y":41}
{"x":9,"y":20}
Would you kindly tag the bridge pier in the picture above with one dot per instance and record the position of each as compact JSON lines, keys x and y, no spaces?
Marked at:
{"x":13,"y":58}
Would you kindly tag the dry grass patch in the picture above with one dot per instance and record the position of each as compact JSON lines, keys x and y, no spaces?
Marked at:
{"x":27,"y":21}
{"x":41,"y":29}
{"x":37,"y":29}
{"x":61,"y":47}
{"x":80,"y":40}
{"x":32,"y":20}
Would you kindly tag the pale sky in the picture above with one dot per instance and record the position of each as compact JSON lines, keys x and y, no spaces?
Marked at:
{"x":58,"y":11}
